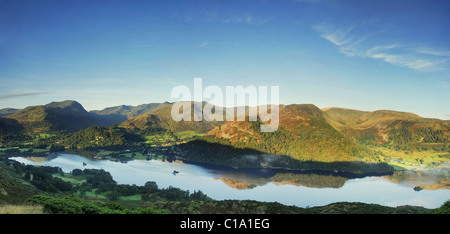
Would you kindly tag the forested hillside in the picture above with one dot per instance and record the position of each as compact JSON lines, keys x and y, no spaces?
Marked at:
{"x":391,"y":127}
{"x":303,"y":134}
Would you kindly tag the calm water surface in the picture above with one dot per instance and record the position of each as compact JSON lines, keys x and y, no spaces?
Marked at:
{"x":299,"y":189}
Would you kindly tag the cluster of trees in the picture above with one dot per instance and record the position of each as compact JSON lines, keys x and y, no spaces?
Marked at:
{"x":406,"y":136}
{"x":98,"y":137}
{"x":99,"y":181}
{"x":41,"y":178}
{"x":432,"y":136}
{"x":318,"y":141}
{"x":75,"y":205}
{"x":401,"y":136}
{"x":12,"y":152}
{"x":216,"y":151}
{"x":48,"y":183}
{"x":213,"y":152}
{"x":56,"y":148}
{"x":102,"y":182}
{"x":444,"y":209}
{"x":13,"y":140}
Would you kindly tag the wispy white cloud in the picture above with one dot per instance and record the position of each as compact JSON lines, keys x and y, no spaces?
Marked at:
{"x":21,"y":94}
{"x":204,"y":44}
{"x":341,"y":37}
{"x":410,"y":56}
{"x":431,"y":51}
{"x":351,"y":43}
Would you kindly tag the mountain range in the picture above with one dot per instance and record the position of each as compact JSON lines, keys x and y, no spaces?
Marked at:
{"x":305,"y":132}
{"x":70,"y":116}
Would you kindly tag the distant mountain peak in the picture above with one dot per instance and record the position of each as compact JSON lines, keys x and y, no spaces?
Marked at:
{"x":64,"y":116}
{"x":67,"y":104}
{"x":8,"y":111}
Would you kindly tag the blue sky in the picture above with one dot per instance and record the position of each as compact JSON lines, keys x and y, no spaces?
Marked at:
{"x":365,"y":55}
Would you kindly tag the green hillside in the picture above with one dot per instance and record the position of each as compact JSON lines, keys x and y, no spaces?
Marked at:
{"x":98,"y":137}
{"x":160,"y":121}
{"x":306,"y":133}
{"x":13,"y":189}
{"x":303,"y":134}
{"x":10,"y":127}
{"x":393,"y":127}
{"x":56,"y":117}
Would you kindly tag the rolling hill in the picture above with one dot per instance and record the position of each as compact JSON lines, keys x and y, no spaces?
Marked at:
{"x":7,"y":111}
{"x":303,"y":134}
{"x":10,"y":127}
{"x":160,"y":120}
{"x":386,"y":126}
{"x":55,"y":117}
{"x":94,"y":136}
{"x":308,"y":133}
{"x":155,"y":127}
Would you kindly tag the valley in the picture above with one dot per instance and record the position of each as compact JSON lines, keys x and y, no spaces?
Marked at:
{"x":313,"y":148}
{"x":306,"y":134}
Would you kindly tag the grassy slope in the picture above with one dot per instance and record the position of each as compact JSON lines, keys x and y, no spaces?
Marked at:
{"x":379,"y":124}
{"x":303,"y":134}
{"x":383,"y":131}
{"x":13,"y":189}
{"x":21,"y":209}
{"x":159,"y":124}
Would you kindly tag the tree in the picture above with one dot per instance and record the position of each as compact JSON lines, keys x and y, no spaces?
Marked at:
{"x":77,"y":172}
{"x":97,"y":192}
{"x":27,"y":176}
{"x":113,"y":195}
{"x":56,"y":148}
{"x":150,"y":187}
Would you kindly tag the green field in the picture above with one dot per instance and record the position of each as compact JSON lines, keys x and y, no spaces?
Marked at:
{"x":70,"y":178}
{"x":93,"y":194}
{"x":24,"y":151}
{"x":159,"y":139}
{"x":137,"y":155}
{"x":188,"y":134}
{"x":166,"y":138}
{"x":136,"y":197}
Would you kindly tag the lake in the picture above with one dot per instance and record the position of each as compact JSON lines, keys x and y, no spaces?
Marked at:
{"x":286,"y":187}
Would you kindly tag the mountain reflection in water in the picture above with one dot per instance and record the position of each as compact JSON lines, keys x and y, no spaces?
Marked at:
{"x":300,"y":188}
